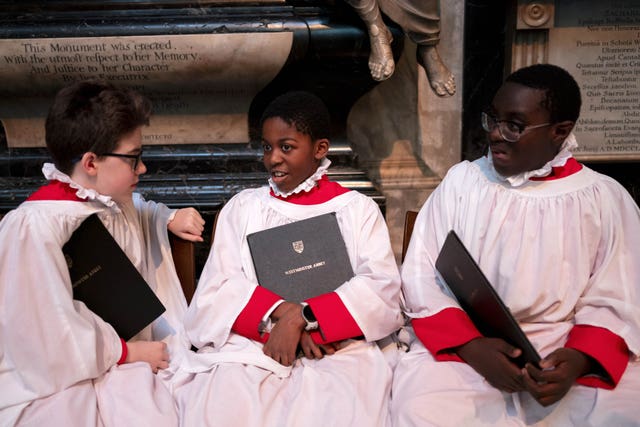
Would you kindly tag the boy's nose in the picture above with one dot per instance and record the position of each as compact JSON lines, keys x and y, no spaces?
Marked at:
{"x":142,"y":168}
{"x":275,"y":157}
{"x":494,"y":135}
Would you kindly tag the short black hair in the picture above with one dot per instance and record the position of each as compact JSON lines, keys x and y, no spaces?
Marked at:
{"x":92,"y":116}
{"x":562,"y":93}
{"x":304,"y":110}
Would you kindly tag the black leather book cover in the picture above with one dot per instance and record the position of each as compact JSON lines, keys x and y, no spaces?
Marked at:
{"x":107,"y":282}
{"x":301,"y":259}
{"x":479,"y":299}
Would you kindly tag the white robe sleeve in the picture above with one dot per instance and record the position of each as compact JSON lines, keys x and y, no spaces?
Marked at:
{"x":611,"y":298}
{"x":49,"y":341}
{"x":424,"y":293}
{"x":372,"y":296}
{"x":224,"y":287}
{"x":161,"y":275}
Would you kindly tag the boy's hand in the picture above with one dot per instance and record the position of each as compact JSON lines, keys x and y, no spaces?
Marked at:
{"x":491,"y":358}
{"x":312,"y":350}
{"x":187,"y":224}
{"x":153,"y":352}
{"x":285,"y":334}
{"x":559,"y":372}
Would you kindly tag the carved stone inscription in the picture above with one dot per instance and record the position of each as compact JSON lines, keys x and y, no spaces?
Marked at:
{"x":201,"y":85}
{"x":599,"y":44}
{"x":606,"y":63}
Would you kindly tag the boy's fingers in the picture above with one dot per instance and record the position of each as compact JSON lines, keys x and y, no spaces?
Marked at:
{"x":508,"y":349}
{"x":534,"y":373}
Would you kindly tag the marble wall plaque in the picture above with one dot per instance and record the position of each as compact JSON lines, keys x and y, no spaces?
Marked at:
{"x":600,"y":47}
{"x":201,"y":85}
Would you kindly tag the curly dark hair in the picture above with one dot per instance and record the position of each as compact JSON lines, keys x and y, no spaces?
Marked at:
{"x":304,"y":110}
{"x":92,"y":116}
{"x":562,"y":93}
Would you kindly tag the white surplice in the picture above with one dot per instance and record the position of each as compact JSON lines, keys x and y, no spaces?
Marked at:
{"x":230,"y":382}
{"x":559,"y":253}
{"x":57,"y":358}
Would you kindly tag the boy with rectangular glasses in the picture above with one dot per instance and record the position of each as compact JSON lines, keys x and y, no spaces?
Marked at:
{"x":60,"y":363}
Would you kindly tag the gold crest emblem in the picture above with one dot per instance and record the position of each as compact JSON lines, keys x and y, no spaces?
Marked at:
{"x":298,"y":246}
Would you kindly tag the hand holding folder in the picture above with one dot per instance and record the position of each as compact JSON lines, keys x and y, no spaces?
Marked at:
{"x":103,"y":277}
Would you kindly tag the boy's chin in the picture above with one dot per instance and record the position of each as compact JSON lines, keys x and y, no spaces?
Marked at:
{"x":282,"y":186}
{"x":286,"y":190}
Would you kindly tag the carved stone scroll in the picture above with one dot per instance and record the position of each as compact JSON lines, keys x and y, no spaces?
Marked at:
{"x":201,"y":85}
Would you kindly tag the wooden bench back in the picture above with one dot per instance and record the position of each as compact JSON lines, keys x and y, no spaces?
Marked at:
{"x":409,"y":221}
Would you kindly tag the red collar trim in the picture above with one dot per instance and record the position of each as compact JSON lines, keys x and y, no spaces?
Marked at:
{"x":55,"y":190}
{"x":324,"y":191}
{"x":572,"y":166}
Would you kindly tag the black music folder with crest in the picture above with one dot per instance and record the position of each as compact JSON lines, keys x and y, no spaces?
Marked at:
{"x":103,"y":277}
{"x":301,"y":259}
{"x":479,"y":299}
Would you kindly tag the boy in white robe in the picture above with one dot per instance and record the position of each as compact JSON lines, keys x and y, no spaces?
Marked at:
{"x":61,"y":364}
{"x":559,"y":242}
{"x":247,"y":371}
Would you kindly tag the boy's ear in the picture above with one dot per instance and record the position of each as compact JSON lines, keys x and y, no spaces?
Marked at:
{"x":88,"y":163}
{"x":321,"y":148}
{"x":562,"y":130}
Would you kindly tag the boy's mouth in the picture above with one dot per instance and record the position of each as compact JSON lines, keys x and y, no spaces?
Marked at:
{"x":498,"y":152}
{"x":278,"y":174}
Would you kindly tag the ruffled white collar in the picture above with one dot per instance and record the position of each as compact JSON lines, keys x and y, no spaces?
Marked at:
{"x":306,"y":185}
{"x":559,"y":160}
{"x":51,"y":172}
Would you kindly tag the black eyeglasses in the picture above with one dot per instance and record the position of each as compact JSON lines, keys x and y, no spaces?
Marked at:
{"x":509,"y":130}
{"x":137,"y":158}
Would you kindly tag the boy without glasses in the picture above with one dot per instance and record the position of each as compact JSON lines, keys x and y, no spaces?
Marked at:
{"x":61,"y":364}
{"x":559,"y":242}
{"x":248,"y":336}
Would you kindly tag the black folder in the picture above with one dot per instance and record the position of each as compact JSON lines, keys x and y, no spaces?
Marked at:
{"x":103,"y":277}
{"x":479,"y":299}
{"x":301,"y":259}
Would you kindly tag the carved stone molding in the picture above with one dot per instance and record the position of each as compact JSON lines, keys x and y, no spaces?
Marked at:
{"x":529,"y":47}
{"x":535,"y":14}
{"x":531,"y":35}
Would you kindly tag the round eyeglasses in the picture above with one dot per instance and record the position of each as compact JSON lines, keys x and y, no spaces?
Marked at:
{"x":137,"y":158}
{"x":509,"y":130}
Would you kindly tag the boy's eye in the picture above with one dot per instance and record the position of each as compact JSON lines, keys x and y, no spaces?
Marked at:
{"x":286,"y":147}
{"x":513,"y":126}
{"x":266,"y":147}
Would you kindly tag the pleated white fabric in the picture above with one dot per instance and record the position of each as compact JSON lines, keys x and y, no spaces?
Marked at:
{"x":230,"y":382}
{"x":559,"y":253}
{"x":57,"y":358}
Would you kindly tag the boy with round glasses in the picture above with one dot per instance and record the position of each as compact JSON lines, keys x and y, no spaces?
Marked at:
{"x":61,"y":364}
{"x":558,"y":242}
{"x":509,"y":130}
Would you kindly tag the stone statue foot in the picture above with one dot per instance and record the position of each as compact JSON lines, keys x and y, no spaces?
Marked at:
{"x":440,"y":78}
{"x":381,"y":63}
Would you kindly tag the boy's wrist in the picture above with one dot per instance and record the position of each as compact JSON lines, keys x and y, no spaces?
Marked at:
{"x":172,"y":216}
{"x":125,"y":352}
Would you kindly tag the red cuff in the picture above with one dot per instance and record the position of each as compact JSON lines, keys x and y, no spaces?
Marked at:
{"x":125,"y":351}
{"x":251,"y":315}
{"x":336,"y":323}
{"x":607,"y":348}
{"x":447,"y":329}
